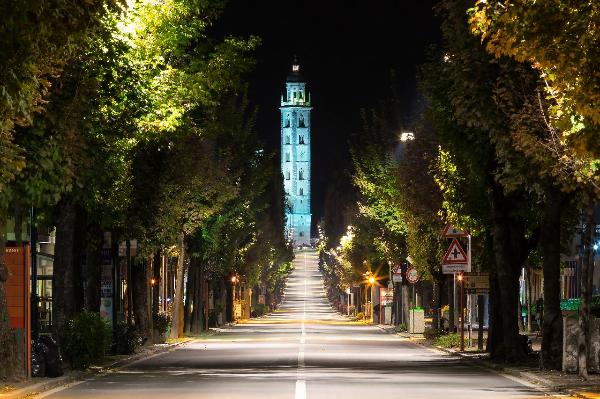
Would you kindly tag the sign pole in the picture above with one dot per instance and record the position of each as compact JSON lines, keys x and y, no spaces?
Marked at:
{"x":380,"y":306}
{"x":454,"y":312}
{"x":462,"y":315}
{"x":348,"y":308}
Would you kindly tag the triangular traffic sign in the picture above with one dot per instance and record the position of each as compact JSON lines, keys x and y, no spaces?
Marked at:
{"x":451,"y":232}
{"x":455,"y":254}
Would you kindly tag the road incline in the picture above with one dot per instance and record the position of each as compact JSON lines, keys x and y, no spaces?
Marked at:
{"x":303,"y":350}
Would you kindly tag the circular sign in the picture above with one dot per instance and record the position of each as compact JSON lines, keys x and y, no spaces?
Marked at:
{"x":412,"y":275}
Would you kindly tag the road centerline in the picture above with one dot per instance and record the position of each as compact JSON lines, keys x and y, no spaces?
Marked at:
{"x":300,"y":376}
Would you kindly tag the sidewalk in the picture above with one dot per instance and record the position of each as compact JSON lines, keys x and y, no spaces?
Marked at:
{"x":552,"y":381}
{"x":37,"y":385}
{"x":549,"y":381}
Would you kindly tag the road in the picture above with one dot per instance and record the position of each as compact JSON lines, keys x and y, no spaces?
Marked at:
{"x":305,"y":350}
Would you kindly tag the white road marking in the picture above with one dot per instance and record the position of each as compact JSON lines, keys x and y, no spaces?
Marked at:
{"x":300,"y":389}
{"x":300,"y":377}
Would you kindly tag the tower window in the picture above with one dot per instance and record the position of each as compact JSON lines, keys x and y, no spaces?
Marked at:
{"x":287,"y":139}
{"x":301,"y":191}
{"x":301,"y":139}
{"x":287,"y":120}
{"x":287,"y":157}
{"x":301,"y":174}
{"x":287,"y":175}
{"x":301,"y":121}
{"x":301,"y":234}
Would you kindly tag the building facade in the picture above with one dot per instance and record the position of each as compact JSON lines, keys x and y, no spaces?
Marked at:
{"x":295,"y":156}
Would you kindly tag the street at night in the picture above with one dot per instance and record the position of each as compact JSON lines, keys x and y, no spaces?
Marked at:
{"x":304,"y":350}
{"x":299,"y":199}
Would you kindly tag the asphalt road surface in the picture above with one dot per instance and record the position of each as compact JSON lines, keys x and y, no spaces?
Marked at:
{"x":304,"y":350}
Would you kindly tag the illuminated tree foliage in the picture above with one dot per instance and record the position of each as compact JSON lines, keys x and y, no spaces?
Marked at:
{"x":560,"y":39}
{"x":131,"y":118}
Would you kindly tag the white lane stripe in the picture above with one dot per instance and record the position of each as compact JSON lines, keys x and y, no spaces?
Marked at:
{"x":300,"y":389}
{"x":300,"y":378}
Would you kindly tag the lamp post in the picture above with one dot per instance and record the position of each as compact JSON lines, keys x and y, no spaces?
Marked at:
{"x":370,"y":281}
{"x":234,"y":280}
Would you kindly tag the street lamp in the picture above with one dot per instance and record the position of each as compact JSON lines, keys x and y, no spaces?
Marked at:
{"x":370,"y":280}
{"x":407,"y":136}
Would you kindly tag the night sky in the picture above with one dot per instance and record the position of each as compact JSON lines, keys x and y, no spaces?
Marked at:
{"x":347,"y":50}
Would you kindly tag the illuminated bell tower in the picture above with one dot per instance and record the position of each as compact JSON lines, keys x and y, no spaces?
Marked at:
{"x":295,"y":156}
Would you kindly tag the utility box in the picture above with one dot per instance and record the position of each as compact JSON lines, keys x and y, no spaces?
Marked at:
{"x":416,"y":321}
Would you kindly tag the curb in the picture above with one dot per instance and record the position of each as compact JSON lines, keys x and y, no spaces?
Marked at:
{"x":547,"y":385}
{"x":43,"y":386}
{"x":30,"y":391}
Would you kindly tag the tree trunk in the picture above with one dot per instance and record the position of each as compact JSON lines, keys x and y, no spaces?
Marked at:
{"x":528,"y":294}
{"x":93,"y":268}
{"x":155,"y":306}
{"x":141,"y":307}
{"x":395,"y":305}
{"x":495,"y":338}
{"x":552,"y":330}
{"x":508,"y":282}
{"x":480,"y":316}
{"x":156,"y":273}
{"x":190,"y":288}
{"x":176,"y":323}
{"x":223,"y":300}
{"x":510,"y":248}
{"x":436,"y":296}
{"x":406,"y":298}
{"x":228,"y":301}
{"x":197,"y":313}
{"x":67,"y":295}
{"x":129,"y":292}
{"x":587,"y":271}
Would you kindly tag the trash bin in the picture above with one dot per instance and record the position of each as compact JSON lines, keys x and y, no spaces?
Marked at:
{"x":47,"y":353}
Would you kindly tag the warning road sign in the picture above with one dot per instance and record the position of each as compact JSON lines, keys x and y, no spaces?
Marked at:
{"x":451,"y":232}
{"x":455,"y":259}
{"x":455,"y":254}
